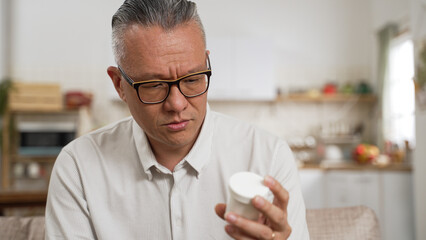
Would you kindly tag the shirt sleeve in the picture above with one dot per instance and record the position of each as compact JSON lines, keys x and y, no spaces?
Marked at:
{"x":67,"y":213}
{"x":284,"y":169}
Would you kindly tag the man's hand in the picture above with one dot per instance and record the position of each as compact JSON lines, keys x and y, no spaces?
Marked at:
{"x":272,"y":224}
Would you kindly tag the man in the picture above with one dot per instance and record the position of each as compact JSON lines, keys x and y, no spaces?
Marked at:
{"x":163,"y":173}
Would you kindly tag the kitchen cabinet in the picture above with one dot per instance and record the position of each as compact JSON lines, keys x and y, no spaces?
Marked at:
{"x":398,"y":205}
{"x":349,"y":188}
{"x":312,"y":182}
{"x":388,"y":192}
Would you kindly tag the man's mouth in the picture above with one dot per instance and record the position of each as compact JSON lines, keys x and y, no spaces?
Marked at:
{"x":177,"y":126}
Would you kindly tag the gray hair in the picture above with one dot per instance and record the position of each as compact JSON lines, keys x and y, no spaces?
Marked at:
{"x":167,"y":14}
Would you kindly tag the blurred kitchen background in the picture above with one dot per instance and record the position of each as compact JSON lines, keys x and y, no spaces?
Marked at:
{"x":343,"y":81}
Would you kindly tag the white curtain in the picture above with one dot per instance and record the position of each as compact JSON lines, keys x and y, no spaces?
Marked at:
{"x":398,"y":92}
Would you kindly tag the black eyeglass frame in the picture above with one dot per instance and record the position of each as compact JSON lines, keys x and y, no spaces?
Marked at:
{"x":136,"y":85}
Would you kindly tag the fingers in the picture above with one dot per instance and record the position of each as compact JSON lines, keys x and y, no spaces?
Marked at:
{"x":220,"y":210}
{"x":281,"y":196}
{"x":241,"y":228}
{"x":276,"y":216}
{"x":236,"y":233}
{"x":275,"y":213}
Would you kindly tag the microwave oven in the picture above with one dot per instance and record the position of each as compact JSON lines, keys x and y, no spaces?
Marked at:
{"x":43,"y":143}
{"x":45,"y":135}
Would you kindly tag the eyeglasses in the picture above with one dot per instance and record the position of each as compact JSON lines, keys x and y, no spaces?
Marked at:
{"x":157,"y":91}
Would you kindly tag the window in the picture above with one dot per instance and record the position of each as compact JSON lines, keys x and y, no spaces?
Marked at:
{"x":399,"y":95}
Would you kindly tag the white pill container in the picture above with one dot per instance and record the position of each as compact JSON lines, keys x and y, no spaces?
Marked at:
{"x":243,"y":187}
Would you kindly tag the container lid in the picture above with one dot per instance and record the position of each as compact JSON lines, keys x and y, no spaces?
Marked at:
{"x":244,"y":186}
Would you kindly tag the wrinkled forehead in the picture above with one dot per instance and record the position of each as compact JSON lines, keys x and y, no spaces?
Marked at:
{"x":154,"y":41}
{"x":155,"y":51}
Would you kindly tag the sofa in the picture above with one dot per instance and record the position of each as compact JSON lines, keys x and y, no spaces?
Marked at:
{"x":348,"y":223}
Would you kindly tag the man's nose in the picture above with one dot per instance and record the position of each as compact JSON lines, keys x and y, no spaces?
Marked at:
{"x":176,"y":101}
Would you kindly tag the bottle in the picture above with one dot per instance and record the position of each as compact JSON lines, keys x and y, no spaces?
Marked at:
{"x":243,"y":187}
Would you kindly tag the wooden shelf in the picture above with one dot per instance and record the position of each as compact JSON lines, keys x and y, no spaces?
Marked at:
{"x":46,"y":111}
{"x":28,"y":159}
{"x":15,"y":199}
{"x":347,"y":139}
{"x":302,"y":97}
{"x":356,"y":166}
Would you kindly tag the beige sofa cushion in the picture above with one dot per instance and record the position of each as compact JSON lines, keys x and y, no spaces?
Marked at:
{"x":22,"y":228}
{"x":343,"y":223}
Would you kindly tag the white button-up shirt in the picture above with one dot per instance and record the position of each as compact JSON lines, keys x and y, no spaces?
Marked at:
{"x":108,"y":185}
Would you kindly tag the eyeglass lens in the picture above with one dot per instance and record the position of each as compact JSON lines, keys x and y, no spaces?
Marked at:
{"x":190,"y":86}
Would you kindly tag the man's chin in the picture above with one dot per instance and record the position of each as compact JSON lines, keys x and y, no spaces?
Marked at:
{"x":177,"y":139}
{"x":180,"y":142}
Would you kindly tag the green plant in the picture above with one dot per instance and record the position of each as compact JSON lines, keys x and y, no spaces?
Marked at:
{"x":5,"y":86}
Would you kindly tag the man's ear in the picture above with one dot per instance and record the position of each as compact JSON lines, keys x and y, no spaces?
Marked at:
{"x":115,"y":76}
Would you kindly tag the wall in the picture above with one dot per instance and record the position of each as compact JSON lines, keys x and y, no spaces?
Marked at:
{"x":315,"y":42}
{"x":390,"y":10}
{"x":4,"y":40}
{"x":418,"y":23}
{"x":419,"y":175}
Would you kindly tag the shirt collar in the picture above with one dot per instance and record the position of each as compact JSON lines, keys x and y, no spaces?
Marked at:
{"x":197,"y":158}
{"x":199,"y":155}
{"x":143,"y":148}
